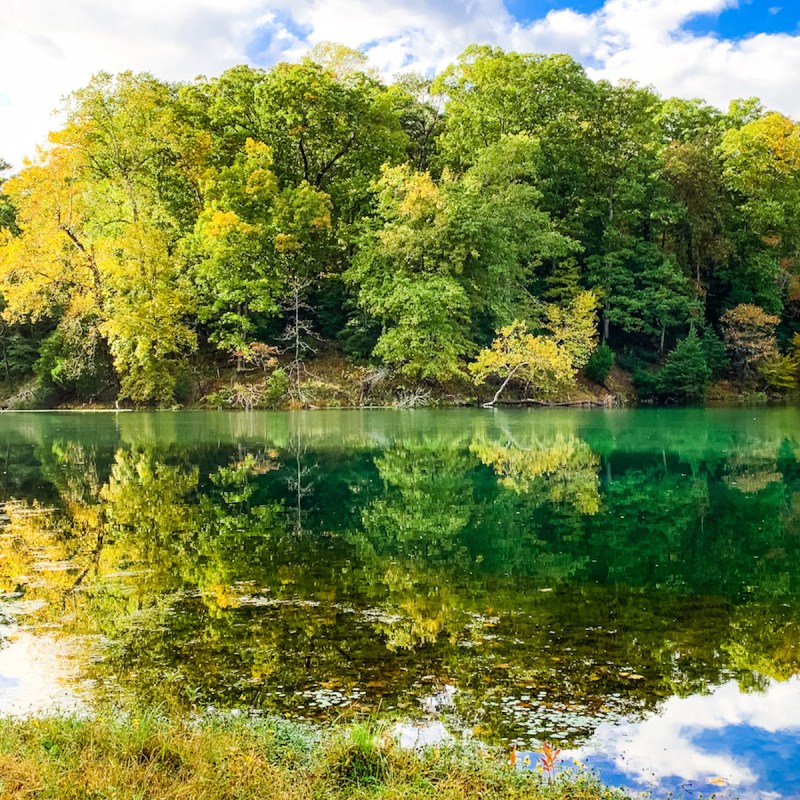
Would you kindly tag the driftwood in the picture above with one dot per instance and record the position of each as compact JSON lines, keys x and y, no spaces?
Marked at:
{"x":26,"y":395}
{"x":529,"y":401}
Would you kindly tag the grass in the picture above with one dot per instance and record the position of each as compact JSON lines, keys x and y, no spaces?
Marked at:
{"x":150,"y":757}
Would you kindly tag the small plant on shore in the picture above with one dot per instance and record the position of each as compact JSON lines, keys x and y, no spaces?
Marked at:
{"x":600,"y":364}
{"x":549,"y":757}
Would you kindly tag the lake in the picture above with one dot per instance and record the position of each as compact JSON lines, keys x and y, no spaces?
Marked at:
{"x":624,"y":584}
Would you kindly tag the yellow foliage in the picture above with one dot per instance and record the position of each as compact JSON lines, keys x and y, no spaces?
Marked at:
{"x":538,"y":360}
{"x":99,"y":249}
{"x":287,"y":243}
{"x":223,"y":223}
{"x":51,"y":261}
{"x":545,"y":363}
{"x":565,"y":468}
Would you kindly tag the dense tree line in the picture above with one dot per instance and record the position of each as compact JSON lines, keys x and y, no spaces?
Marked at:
{"x":493,"y":223}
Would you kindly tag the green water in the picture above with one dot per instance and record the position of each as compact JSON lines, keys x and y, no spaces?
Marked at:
{"x":522,"y":575}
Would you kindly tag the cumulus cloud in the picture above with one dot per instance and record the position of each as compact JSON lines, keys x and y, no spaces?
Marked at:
{"x":666,"y":745}
{"x":48,"y":47}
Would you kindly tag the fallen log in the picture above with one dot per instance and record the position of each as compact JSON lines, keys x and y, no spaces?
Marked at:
{"x":529,"y":401}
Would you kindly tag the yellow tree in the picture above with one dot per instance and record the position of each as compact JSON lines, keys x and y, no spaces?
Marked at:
{"x":100,"y":218}
{"x":749,"y":334}
{"x":548,"y":362}
{"x":53,"y":263}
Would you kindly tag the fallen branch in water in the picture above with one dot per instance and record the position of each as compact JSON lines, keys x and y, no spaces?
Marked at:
{"x":529,"y":401}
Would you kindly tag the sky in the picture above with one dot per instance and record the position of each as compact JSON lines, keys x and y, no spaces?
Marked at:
{"x":714,"y":49}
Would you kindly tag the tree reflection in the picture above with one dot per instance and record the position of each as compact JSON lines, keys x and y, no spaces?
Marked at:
{"x":552,"y":584}
{"x":561,"y":469}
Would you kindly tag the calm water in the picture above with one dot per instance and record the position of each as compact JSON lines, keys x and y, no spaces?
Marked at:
{"x":623,"y":583}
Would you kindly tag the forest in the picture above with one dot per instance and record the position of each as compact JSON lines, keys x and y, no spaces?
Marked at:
{"x":504,"y":230}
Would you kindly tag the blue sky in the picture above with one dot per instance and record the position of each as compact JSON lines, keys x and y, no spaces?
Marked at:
{"x":753,"y":17}
{"x":714,"y":49}
{"x":750,"y":17}
{"x":534,"y":9}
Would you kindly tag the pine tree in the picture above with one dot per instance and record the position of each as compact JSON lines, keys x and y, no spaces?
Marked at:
{"x":685,"y":375}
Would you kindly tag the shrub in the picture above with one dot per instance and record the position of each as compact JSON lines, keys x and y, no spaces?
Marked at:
{"x":600,"y":364}
{"x":360,"y":755}
{"x":276,"y":387}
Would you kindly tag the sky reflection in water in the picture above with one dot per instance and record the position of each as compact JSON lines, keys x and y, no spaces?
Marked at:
{"x":735,"y":744}
{"x":39,"y":674}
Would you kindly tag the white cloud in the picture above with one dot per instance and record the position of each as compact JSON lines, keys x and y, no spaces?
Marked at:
{"x":663,"y":745}
{"x":50,"y":47}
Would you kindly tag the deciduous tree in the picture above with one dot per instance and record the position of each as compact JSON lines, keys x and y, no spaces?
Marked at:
{"x":749,"y":334}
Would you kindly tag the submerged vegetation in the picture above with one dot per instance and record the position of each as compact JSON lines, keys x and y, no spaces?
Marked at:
{"x":231,"y":238}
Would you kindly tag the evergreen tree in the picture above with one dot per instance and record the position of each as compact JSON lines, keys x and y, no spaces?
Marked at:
{"x":685,"y":375}
{"x":600,"y":364}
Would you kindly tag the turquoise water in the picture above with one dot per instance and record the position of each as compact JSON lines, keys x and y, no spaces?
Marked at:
{"x":623,"y":584}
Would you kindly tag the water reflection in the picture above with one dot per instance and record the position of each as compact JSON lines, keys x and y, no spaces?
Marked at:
{"x":39,"y":673}
{"x":732,"y":743}
{"x":554,"y":575}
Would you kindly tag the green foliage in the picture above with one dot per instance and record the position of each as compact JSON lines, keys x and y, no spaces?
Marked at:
{"x":715,"y":352}
{"x":563,"y":282}
{"x":446,"y":250}
{"x":360,"y":757}
{"x":408,"y":221}
{"x":19,"y":351}
{"x":406,"y":274}
{"x":600,"y":363}
{"x":419,"y":111}
{"x":762,"y":162}
{"x":275,"y":388}
{"x":644,"y":292}
{"x":685,"y":374}
{"x":427,"y":340}
{"x":331,"y":128}
{"x":359,"y":337}
{"x":74,"y":362}
{"x":646,"y":382}
{"x":254,"y":241}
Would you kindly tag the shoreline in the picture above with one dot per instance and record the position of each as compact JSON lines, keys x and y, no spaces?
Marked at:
{"x":146,"y":754}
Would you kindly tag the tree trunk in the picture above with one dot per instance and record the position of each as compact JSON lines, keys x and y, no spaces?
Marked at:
{"x":297,"y":338}
{"x":497,"y":394}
